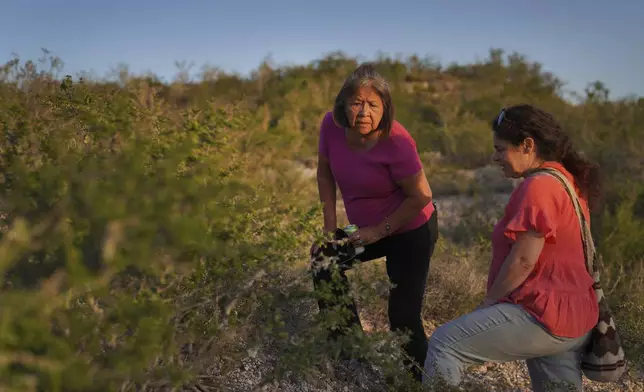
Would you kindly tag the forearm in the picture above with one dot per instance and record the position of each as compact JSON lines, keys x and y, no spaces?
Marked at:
{"x":327,"y":191}
{"x":407,"y":211}
{"x":513,"y":273}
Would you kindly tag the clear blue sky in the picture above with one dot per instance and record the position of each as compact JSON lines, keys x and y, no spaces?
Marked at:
{"x":580,"y":41}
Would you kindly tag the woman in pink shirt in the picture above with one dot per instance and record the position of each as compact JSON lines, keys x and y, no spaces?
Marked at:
{"x":374,"y":162}
{"x":540,"y":305}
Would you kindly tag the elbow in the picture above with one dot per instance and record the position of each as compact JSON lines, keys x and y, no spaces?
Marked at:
{"x":326,"y":181}
{"x":423,"y":199}
{"x":526,"y":264}
{"x":426,"y":195}
{"x":427,"y":198}
{"x":419,"y":202}
{"x":326,"y":184}
{"x":323,"y":175}
{"x":324,"y":171}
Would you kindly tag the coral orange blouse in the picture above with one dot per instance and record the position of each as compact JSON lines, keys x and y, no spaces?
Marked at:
{"x":558,"y":292}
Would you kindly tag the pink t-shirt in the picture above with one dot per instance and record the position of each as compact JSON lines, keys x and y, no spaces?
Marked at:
{"x":367,"y":179}
{"x":558,"y":292}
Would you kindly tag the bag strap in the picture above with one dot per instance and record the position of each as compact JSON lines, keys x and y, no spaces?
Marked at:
{"x":586,"y":236}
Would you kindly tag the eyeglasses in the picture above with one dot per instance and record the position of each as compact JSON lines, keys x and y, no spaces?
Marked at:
{"x":500,"y":117}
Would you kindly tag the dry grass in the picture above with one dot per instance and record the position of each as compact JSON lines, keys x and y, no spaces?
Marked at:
{"x":455,"y":286}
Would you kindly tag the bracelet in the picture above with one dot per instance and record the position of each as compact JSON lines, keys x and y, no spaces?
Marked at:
{"x":387,"y":226}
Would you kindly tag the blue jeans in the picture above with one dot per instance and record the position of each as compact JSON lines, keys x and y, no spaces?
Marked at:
{"x":503,"y":333}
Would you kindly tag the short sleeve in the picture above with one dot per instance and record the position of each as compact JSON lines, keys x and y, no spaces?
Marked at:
{"x":323,"y":144}
{"x":535,"y":208}
{"x":405,"y":161}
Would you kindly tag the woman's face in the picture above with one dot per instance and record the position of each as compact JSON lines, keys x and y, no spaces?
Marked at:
{"x":514,"y":160}
{"x":365,"y":110}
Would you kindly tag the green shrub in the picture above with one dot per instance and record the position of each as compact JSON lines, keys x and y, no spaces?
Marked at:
{"x":131,"y":234}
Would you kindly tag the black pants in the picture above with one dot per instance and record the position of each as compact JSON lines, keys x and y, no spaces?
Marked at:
{"x":408,"y":257}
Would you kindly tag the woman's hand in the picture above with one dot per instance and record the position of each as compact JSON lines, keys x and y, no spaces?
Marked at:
{"x":366,"y":236}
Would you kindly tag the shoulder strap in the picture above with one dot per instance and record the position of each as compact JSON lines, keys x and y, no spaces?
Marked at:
{"x":587,"y":239}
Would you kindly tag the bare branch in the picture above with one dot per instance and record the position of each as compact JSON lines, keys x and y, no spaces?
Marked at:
{"x":230,"y":306}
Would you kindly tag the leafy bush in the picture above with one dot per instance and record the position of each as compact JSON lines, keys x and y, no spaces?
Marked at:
{"x":134,"y":230}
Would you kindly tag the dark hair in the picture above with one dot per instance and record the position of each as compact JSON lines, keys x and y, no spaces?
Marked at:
{"x":364,"y":75}
{"x":516,"y":123}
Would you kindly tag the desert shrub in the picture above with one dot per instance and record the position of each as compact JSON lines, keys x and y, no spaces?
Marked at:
{"x":133,"y":231}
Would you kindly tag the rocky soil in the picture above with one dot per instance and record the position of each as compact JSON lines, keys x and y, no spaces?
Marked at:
{"x":348,"y":376}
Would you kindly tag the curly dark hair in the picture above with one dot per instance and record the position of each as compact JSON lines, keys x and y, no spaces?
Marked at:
{"x":516,"y":123}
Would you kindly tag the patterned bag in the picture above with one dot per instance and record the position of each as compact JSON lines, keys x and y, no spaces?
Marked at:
{"x":603,"y":360}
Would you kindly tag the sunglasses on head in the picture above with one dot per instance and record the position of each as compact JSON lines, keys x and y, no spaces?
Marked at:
{"x":500,"y":117}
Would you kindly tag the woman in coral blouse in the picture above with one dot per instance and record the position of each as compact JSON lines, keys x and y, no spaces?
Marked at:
{"x":540,"y":305}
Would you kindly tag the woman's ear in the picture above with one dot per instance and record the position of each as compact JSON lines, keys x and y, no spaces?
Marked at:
{"x":528,"y":145}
